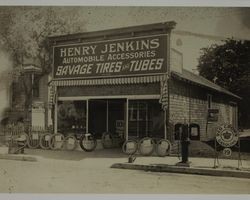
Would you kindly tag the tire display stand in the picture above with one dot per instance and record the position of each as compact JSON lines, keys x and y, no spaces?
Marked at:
{"x":217,"y":149}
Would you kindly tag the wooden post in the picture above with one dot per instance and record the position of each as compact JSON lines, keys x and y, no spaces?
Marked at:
{"x":55,"y":117}
{"x":87,"y":116}
{"x":107,"y":116}
{"x":127,"y":118}
{"x":165,"y":124}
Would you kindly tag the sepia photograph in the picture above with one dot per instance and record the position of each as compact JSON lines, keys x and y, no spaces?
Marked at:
{"x":124,"y":99}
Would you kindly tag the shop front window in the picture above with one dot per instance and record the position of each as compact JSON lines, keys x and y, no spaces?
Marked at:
{"x":71,"y":117}
{"x":146,"y":119}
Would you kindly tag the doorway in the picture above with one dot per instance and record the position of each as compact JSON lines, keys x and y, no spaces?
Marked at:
{"x":105,"y":115}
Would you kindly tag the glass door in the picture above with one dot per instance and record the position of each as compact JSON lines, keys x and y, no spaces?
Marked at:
{"x":145,"y":119}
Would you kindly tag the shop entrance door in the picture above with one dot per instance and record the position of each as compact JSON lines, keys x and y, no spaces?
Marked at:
{"x":106,"y":115}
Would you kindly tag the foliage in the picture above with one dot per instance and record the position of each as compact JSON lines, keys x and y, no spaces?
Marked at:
{"x":23,"y":35}
{"x":24,"y":31}
{"x":228,"y":65}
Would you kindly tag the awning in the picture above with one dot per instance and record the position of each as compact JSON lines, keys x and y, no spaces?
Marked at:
{"x":110,"y":81}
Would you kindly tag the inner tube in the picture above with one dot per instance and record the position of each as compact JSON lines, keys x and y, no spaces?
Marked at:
{"x":62,"y":112}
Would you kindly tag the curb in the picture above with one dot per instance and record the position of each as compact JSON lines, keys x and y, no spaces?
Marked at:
{"x":16,"y":157}
{"x":183,"y":170}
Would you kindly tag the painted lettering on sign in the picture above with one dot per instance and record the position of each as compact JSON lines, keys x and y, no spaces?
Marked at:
{"x":128,"y":56}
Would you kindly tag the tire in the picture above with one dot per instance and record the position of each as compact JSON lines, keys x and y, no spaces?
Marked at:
{"x":88,"y":140}
{"x":44,"y":142}
{"x":22,"y":135}
{"x":34,"y":141}
{"x":67,"y":145}
{"x":107,"y":143}
{"x":144,"y":148}
{"x":132,"y":150}
{"x":53,"y":141}
{"x":162,"y":150}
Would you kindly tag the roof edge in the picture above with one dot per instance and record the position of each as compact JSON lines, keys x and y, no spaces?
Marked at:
{"x":165,"y":26}
{"x":204,"y":85}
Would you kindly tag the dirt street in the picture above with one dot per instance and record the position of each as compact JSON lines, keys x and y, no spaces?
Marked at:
{"x":75,"y":173}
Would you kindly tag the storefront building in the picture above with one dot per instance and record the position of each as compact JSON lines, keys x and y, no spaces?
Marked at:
{"x":130,"y":82}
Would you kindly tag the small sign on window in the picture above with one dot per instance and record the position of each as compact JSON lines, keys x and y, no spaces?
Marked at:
{"x":213,"y":115}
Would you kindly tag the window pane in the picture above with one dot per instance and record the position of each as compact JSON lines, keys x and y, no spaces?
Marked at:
{"x":146,"y":119}
{"x":71,"y":116}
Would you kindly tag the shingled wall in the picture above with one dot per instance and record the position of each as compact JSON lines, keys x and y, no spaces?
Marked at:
{"x":189,"y":103}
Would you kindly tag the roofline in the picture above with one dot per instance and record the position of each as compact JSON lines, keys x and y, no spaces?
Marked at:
{"x":163,"y":26}
{"x":205,"y":86}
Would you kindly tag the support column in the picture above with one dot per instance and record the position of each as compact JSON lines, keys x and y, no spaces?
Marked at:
{"x":107,"y":116}
{"x":165,"y":124}
{"x":127,"y":101}
{"x":87,"y":116}
{"x":55,"y":117}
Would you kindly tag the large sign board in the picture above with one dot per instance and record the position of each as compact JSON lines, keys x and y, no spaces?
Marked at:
{"x":118,"y":57}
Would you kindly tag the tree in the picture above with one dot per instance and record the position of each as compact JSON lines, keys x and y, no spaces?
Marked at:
{"x":24,"y":32}
{"x":228,"y":65}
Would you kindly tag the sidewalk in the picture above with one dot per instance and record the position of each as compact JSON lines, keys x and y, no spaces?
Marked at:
{"x":199,"y":166}
{"x":116,"y":159}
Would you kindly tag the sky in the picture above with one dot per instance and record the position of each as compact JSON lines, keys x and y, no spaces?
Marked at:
{"x":197,"y":27}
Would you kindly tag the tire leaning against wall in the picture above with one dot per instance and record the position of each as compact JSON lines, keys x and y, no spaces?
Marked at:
{"x":34,"y":141}
{"x":163,"y":151}
{"x":130,"y":147}
{"x":146,"y":150}
{"x":22,"y":138}
{"x":88,"y":138}
{"x":45,"y":141}
{"x":53,"y":140}
{"x":67,"y":145}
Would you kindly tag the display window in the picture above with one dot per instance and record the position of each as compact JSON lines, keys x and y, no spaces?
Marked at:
{"x":146,"y":119}
{"x":71,"y":117}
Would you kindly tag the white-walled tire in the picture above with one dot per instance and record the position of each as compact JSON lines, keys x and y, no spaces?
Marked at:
{"x":130,"y":147}
{"x":163,"y":147}
{"x":70,"y":143}
{"x":146,"y":146}
{"x":56,"y":141}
